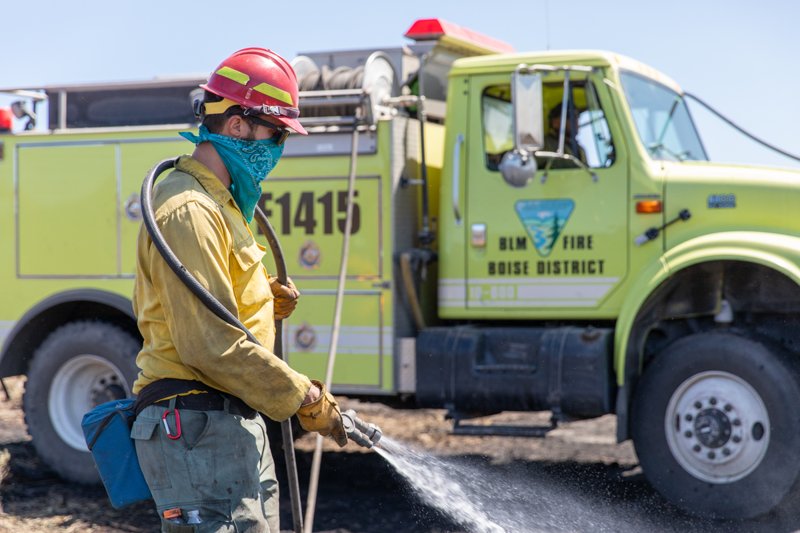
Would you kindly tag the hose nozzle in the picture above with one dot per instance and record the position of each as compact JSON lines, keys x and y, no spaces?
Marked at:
{"x":362,"y":433}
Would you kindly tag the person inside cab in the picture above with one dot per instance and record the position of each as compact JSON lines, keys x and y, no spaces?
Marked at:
{"x":571,"y":144}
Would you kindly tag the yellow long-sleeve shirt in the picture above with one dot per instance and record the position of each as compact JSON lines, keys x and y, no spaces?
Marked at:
{"x":183,"y":339}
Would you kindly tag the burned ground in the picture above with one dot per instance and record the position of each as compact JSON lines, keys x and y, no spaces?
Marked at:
{"x":577,"y":479}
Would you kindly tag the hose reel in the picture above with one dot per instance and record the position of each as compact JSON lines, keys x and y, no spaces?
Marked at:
{"x":336,"y":93}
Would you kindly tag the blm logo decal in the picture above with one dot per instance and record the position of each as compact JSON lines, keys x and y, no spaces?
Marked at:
{"x":544,"y":220}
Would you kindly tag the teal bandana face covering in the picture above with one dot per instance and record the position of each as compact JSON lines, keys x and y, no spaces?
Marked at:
{"x":248,"y":163}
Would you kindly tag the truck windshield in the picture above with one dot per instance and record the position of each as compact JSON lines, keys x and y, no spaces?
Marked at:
{"x":662,"y":120}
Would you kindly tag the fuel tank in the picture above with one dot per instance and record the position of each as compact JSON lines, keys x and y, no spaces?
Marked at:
{"x":485,"y":370}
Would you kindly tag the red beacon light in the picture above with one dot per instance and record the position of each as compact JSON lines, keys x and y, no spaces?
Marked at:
{"x":438,"y":29}
{"x":6,"y":120}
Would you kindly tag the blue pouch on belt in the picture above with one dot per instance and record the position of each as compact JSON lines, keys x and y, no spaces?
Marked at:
{"x":107,"y":429}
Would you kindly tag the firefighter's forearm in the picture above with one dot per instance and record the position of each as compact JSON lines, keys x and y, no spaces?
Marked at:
{"x":250,"y":372}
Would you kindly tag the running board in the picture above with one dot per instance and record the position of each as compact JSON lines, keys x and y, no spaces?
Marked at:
{"x":498,"y":430}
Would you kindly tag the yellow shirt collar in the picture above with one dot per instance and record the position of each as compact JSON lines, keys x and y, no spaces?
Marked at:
{"x":205,"y":177}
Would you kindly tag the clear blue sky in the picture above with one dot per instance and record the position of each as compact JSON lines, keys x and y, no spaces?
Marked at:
{"x":740,"y":56}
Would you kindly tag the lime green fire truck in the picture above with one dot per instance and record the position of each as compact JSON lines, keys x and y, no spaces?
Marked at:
{"x":530,"y":232}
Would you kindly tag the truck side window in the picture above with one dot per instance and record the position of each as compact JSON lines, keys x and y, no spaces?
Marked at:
{"x":587,"y":135}
{"x":498,"y":135}
{"x":593,"y":133}
{"x":591,"y":142}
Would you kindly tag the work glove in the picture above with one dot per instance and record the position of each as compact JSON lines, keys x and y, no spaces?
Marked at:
{"x":286,"y":297}
{"x":323,"y":416}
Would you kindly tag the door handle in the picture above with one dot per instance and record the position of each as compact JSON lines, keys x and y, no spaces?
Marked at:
{"x":457,"y":176}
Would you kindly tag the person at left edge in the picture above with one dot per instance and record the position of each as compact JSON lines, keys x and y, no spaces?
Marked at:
{"x":200,"y":442}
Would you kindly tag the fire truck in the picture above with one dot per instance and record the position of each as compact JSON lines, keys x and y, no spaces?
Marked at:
{"x":534,"y":231}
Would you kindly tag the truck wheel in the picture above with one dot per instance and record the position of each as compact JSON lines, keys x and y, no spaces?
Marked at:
{"x":79,"y":365}
{"x":715,"y":425}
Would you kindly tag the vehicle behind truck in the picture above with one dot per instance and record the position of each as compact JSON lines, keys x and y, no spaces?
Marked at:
{"x":531,"y":232}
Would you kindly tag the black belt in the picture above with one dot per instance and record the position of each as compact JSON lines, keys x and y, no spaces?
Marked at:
{"x":211,"y":401}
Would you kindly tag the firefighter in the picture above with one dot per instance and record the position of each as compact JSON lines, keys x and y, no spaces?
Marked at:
{"x":200,"y":441}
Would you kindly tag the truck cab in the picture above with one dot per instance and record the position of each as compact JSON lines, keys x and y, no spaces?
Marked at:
{"x":592,"y":260}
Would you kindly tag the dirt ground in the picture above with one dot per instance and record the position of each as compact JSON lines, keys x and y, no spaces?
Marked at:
{"x":576,"y":479}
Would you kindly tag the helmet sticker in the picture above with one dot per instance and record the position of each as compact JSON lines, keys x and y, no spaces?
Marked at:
{"x":275,"y":92}
{"x":233,"y":74}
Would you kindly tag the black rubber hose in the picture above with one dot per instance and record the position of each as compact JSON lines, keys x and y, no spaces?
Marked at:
{"x":741,"y":129}
{"x":172,"y":260}
{"x":223,"y":313}
{"x":286,"y":425}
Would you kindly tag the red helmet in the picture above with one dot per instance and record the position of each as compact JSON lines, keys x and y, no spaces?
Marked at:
{"x":259,"y":80}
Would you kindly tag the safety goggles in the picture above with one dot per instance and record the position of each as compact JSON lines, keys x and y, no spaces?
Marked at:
{"x":280,"y":133}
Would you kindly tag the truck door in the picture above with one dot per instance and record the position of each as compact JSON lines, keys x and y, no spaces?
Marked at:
{"x":558,"y":243}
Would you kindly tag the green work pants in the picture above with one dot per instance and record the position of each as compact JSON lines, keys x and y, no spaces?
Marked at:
{"x":218,"y":471}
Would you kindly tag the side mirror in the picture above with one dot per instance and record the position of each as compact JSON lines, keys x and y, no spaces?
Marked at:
{"x":519,"y":166}
{"x":526,"y":97}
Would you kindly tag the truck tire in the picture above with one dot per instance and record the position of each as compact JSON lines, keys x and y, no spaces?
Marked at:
{"x":715,"y":425}
{"x":78,"y":366}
